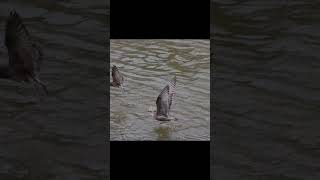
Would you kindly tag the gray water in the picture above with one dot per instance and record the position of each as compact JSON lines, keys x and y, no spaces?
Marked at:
{"x":147,"y":66}
{"x":62,"y":135}
{"x":266,"y":100}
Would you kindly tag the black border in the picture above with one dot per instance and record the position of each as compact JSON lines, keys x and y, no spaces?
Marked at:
{"x":165,"y":19}
{"x":160,"y":159}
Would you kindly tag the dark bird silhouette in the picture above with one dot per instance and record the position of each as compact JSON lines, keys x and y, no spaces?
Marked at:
{"x":164,"y":101}
{"x":116,"y":77}
{"x":25,"y":56}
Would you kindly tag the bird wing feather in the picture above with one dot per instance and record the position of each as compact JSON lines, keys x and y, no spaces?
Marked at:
{"x":25,"y":55}
{"x":163,"y":102}
{"x":117,"y":76}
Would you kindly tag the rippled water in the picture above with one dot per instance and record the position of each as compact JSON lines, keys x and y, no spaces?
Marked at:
{"x":266,"y":90}
{"x":61,"y":136}
{"x":147,"y":66}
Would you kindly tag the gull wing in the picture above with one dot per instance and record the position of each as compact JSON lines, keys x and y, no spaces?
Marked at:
{"x":116,"y":76}
{"x":25,"y":56}
{"x":165,"y":98}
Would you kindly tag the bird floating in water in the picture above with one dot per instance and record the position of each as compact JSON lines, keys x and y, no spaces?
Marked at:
{"x":25,"y":56}
{"x":117,"y":78}
{"x":164,"y":102}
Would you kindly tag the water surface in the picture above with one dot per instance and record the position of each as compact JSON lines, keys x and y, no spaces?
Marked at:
{"x":147,"y":66}
{"x":266,"y":100}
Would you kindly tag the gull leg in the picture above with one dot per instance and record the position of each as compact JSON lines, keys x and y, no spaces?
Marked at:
{"x":123,"y":89}
{"x":37,"y":81}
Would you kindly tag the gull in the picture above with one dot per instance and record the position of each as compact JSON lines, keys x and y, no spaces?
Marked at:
{"x":164,"y":102}
{"x":25,"y":55}
{"x":117,"y":78}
